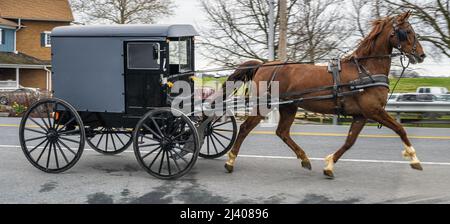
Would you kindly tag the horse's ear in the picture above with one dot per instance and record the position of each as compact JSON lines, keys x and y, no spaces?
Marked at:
{"x":404,"y":16}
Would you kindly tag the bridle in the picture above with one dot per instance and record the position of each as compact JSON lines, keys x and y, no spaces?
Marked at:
{"x":402,"y":36}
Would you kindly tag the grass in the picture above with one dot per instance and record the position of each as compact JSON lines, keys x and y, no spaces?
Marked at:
{"x":407,"y":85}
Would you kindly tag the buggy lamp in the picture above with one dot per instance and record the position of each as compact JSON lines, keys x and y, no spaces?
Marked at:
{"x":169,"y":84}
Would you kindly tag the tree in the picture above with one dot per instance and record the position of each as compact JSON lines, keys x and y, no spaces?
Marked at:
{"x":239,"y":30}
{"x":434,"y":19}
{"x":121,"y":11}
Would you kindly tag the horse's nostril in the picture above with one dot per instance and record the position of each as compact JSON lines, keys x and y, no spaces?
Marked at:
{"x":423,"y":56}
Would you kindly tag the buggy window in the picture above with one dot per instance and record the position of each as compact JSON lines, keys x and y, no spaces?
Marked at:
{"x":180,"y":53}
{"x":143,"y":56}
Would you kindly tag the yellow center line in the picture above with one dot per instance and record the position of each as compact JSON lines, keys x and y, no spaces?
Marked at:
{"x":345,"y":135}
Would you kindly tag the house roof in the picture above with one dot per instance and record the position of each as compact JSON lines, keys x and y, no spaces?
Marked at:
{"x":10,"y":58}
{"x":5,"y":22}
{"x":125,"y":31}
{"x":47,"y":10}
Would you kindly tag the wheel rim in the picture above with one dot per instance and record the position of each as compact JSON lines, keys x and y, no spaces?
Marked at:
{"x":220,"y":136}
{"x":52,"y":135}
{"x":165,"y":145}
{"x":110,"y":141}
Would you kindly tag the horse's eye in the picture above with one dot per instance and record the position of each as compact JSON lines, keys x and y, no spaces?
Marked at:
{"x":408,"y":31}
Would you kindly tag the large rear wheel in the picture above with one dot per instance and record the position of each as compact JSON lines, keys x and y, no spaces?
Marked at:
{"x":52,"y":135}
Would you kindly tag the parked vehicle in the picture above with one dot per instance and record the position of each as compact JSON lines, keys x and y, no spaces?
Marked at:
{"x":432,"y":90}
{"x":417,"y":98}
{"x":445,"y":98}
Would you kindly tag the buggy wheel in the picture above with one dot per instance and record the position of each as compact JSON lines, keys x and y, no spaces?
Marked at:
{"x":166,"y":144}
{"x":110,"y":141}
{"x":52,"y":135}
{"x":220,"y":135}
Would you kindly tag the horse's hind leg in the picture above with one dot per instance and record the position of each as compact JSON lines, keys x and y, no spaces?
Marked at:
{"x":287,"y":117}
{"x":409,"y":153}
{"x":357,"y":125}
{"x":244,"y":130}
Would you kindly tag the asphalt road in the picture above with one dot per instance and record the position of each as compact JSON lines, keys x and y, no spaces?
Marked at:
{"x":266,"y":172}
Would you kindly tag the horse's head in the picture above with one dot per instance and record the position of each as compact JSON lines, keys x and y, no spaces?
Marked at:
{"x":405,"y":39}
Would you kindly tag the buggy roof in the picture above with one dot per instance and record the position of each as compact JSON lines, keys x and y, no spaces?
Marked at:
{"x":179,"y":30}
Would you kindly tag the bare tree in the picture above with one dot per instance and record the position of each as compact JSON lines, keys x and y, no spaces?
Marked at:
{"x":121,"y":11}
{"x":239,"y":30}
{"x":318,"y":30}
{"x":434,"y":19}
{"x":364,"y":11}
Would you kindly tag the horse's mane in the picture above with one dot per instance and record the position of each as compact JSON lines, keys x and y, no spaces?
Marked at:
{"x":366,"y":45}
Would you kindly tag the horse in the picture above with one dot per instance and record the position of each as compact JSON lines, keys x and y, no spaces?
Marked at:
{"x":373,"y":55}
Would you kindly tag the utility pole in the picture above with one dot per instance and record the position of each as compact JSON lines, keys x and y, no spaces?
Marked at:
{"x":282,"y":45}
{"x":271,"y":38}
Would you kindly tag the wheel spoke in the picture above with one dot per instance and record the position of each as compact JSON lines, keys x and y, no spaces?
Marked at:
{"x":69,"y":132}
{"x":183,"y":149}
{"x":181,"y":157}
{"x":48,"y":116}
{"x":45,"y":129}
{"x":168,"y":162}
{"x":148,"y":145}
{"x":153,"y":132}
{"x":67,"y":147}
{"x":157,"y":126}
{"x":220,"y":142}
{"x":49,"y":154}
{"x":59,"y":120}
{"x":98,"y":143}
{"x":214,"y":144}
{"x":36,"y":131}
{"x":114,"y":144}
{"x":42,"y":152}
{"x":68,"y":122}
{"x":154,"y":159}
{"x":56,"y":156}
{"x":62,"y":153}
{"x":37,"y":138}
{"x":161,"y":163}
{"x":207,"y":145}
{"x":37,"y":146}
{"x":68,"y":139}
{"x":106,"y":143}
{"x":175,"y":161}
{"x":224,"y":130}
{"x":221,"y":124}
{"x":151,"y":152}
{"x":152,"y":139}
{"x":223,"y":136}
{"x":117,"y":136}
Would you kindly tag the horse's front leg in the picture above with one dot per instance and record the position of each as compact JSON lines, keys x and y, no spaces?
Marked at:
{"x":357,"y":125}
{"x":244,"y":130}
{"x":409,"y":153}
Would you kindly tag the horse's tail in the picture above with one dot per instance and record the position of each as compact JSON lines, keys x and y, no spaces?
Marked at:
{"x":244,"y":73}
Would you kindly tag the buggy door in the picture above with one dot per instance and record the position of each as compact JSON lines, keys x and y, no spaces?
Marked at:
{"x":144,"y":66}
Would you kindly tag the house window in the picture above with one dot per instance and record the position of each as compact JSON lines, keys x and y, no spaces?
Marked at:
{"x":46,"y":40}
{"x":8,"y":78}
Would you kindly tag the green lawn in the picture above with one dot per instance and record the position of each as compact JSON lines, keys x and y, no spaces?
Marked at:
{"x":411,"y":84}
{"x":405,"y":85}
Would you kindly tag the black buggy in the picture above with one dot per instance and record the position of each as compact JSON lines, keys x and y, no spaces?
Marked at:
{"x":112,"y":89}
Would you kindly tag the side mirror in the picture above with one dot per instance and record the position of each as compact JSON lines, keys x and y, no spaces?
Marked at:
{"x":155,"y":52}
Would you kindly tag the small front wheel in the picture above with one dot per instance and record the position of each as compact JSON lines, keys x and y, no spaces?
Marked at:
{"x":52,"y":135}
{"x":166,"y":143}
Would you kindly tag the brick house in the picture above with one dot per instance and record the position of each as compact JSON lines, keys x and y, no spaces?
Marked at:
{"x":25,"y":46}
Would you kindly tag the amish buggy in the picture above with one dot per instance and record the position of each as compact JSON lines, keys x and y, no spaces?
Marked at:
{"x":112,"y":90}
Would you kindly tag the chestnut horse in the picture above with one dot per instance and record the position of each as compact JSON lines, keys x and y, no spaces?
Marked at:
{"x":373,"y":54}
